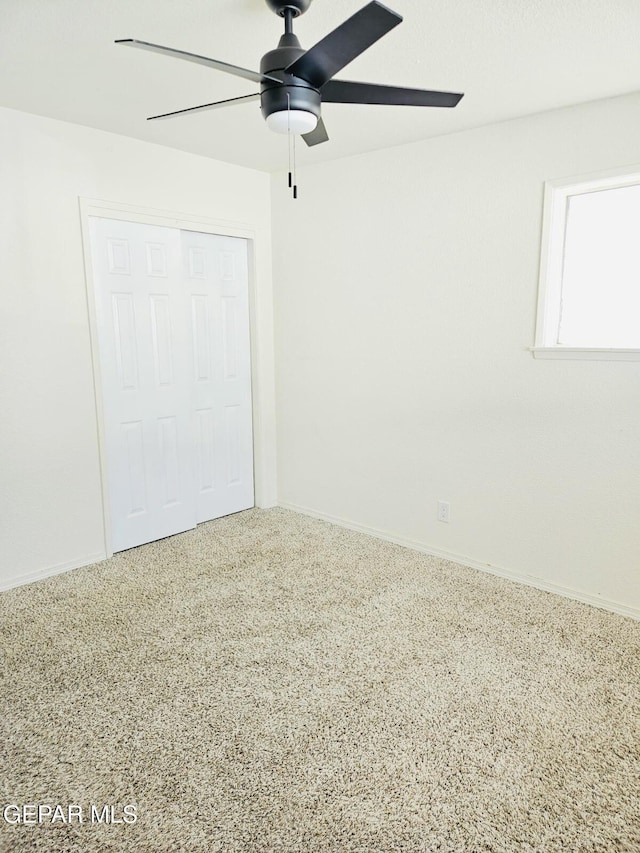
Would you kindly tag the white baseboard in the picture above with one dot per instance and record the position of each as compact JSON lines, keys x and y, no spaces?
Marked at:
{"x":528,"y":580}
{"x":50,"y":571}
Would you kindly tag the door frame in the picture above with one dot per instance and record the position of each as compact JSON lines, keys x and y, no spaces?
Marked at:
{"x":260,"y":333}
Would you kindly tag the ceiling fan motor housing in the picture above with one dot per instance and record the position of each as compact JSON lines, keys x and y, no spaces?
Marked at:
{"x":294,"y":93}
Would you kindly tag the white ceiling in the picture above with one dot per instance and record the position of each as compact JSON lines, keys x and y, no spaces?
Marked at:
{"x":510,"y":57}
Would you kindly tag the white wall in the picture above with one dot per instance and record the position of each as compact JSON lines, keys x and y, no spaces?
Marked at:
{"x":50,"y":492}
{"x":405,"y":284}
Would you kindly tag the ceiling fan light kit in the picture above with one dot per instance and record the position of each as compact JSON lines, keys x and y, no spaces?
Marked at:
{"x":299,"y":122}
{"x":294,"y":82}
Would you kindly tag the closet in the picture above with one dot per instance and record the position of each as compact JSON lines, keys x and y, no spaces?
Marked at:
{"x":172,"y":310}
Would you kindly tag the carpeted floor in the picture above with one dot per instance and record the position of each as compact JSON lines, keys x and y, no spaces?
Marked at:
{"x":269,"y":682}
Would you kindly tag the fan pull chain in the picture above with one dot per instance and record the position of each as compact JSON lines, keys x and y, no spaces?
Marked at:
{"x":291,"y":141}
{"x":295,"y":181}
{"x":289,"y":137}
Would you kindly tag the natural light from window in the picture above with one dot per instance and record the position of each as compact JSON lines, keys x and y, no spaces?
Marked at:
{"x":589,"y":286}
{"x":600,"y":290}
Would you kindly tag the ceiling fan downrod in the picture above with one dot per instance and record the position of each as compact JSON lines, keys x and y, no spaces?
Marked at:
{"x":288,"y":21}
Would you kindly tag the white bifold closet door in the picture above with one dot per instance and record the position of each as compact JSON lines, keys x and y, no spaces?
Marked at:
{"x":173,"y":334}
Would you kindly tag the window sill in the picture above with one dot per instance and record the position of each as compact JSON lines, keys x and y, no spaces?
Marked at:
{"x":586,"y":354}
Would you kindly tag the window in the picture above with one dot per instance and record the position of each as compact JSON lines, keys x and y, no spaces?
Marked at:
{"x":589,"y":295}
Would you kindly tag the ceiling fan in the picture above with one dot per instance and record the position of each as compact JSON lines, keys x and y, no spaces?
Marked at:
{"x":295,"y":82}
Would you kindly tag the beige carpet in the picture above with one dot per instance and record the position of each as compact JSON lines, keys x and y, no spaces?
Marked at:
{"x":269,"y":682}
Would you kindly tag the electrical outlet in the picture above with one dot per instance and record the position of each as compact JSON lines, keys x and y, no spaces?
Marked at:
{"x":443,"y":511}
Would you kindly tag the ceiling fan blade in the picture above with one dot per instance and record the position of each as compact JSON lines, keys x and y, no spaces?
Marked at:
{"x":349,"y":40}
{"x":346,"y":92}
{"x":318,"y":135}
{"x":254,"y":76}
{"x":203,"y":107}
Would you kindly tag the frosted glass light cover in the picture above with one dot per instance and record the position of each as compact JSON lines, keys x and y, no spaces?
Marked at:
{"x":298,"y":121}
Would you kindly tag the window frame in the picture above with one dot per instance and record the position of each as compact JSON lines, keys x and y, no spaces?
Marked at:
{"x":554,"y":224}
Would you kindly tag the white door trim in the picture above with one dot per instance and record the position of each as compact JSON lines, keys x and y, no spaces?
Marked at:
{"x":260,"y":330}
